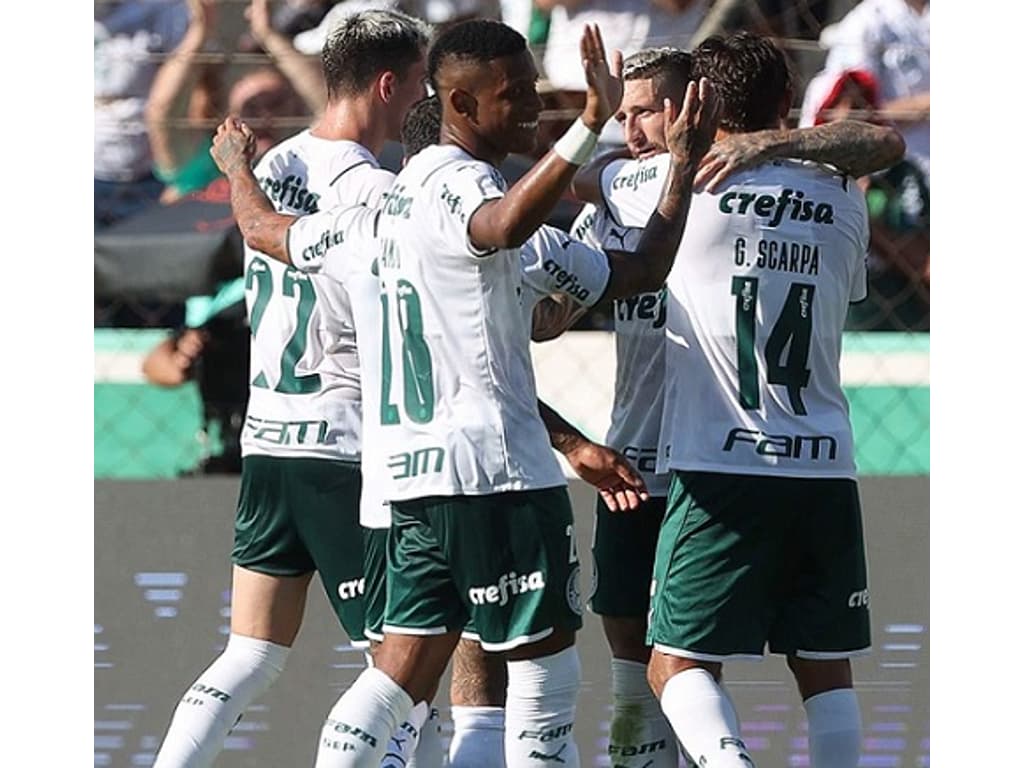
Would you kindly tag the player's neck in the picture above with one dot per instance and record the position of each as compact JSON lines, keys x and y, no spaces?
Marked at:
{"x":352,"y":120}
{"x":471,"y":143}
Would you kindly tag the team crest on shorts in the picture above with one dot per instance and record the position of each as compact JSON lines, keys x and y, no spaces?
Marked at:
{"x":572,"y":592}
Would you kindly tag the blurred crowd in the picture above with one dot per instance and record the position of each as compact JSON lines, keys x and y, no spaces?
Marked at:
{"x":167,"y":72}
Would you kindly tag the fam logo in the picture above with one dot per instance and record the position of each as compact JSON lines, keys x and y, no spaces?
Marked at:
{"x":508,"y":586}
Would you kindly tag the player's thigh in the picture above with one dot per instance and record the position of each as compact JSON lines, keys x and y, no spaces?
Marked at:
{"x":516,"y":565}
{"x":422,"y":598}
{"x":720,"y":566}
{"x":267,"y":607}
{"x":624,"y":547}
{"x":416,"y":662}
{"x":826,"y":615}
{"x":267,"y":539}
{"x":326,"y":498}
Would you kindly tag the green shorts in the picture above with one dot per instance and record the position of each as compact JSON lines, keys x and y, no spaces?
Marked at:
{"x":747,"y":560}
{"x":506,"y":561}
{"x":375,"y":562}
{"x":296,"y":516}
{"x":624,"y":546}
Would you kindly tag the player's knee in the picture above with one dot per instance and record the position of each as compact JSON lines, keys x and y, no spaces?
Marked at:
{"x":627,"y":637}
{"x":814,"y":676}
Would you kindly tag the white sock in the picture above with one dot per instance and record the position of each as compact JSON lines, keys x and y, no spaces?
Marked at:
{"x":362,"y":721}
{"x":430,"y":751}
{"x":540,"y":711}
{"x":403,"y":741}
{"x":704,"y":720}
{"x":478,"y":737}
{"x":834,"y":729}
{"x":640,"y":736}
{"x":215,"y":702}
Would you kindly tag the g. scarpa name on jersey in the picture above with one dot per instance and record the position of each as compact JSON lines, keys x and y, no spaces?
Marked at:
{"x":778,"y":255}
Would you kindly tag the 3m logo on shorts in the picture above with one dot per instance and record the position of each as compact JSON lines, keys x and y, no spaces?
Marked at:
{"x":787,"y":446}
{"x":350,"y":589}
{"x":859,"y":599}
{"x":508,"y":586}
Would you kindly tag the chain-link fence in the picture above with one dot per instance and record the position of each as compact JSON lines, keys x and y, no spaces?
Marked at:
{"x":167,"y":267}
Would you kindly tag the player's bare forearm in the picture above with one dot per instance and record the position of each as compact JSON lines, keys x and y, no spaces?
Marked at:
{"x":646,"y":270}
{"x":854,"y":147}
{"x":262,"y":227}
{"x":564,"y":437}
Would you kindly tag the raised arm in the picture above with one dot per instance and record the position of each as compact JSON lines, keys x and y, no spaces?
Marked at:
{"x":688,"y":137}
{"x":854,"y":147}
{"x":262,"y":227}
{"x":509,"y":221}
{"x":303,"y":72}
{"x":174,"y":82}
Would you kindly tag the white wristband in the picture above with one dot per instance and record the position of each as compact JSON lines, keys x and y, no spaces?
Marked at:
{"x":577,"y":144}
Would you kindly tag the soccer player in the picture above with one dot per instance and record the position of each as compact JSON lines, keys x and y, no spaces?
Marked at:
{"x":300,"y":486}
{"x":640,"y":735}
{"x":762,"y":539}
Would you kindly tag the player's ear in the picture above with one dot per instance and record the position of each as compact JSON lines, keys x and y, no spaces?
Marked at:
{"x":463,"y":103}
{"x":386,"y":82}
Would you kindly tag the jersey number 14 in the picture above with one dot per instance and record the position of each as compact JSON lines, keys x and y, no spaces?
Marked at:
{"x":792,"y":329}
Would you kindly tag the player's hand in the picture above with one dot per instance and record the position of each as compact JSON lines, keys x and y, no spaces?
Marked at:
{"x":554,"y":315}
{"x":689,"y":135}
{"x":604,"y":81}
{"x":619,"y":485}
{"x":234,"y":146}
{"x":731,"y":154}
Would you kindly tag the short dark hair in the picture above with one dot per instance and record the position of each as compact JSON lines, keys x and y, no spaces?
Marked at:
{"x":369,"y":42}
{"x":478,"y":40}
{"x":422,"y":125}
{"x":665,"y":64}
{"x":751,"y":75}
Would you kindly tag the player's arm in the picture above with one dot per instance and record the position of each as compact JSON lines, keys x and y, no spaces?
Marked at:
{"x":606,"y":469}
{"x":854,"y":147}
{"x":554,"y":315}
{"x":688,"y":137}
{"x":586,"y":184}
{"x":508,"y":221}
{"x":263,"y":228}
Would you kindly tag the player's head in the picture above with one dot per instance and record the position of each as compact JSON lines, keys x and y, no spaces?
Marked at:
{"x":422,"y":126}
{"x":649,"y":77}
{"x":751,"y":76}
{"x":486,"y":80}
{"x":380,"y":55}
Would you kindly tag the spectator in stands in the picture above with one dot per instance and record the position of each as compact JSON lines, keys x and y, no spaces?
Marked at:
{"x":187,"y":89}
{"x":126,"y":35}
{"x":889,"y":40}
{"x":898,"y":206}
{"x":212,"y":349}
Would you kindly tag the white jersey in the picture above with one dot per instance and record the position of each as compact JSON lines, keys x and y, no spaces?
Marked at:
{"x":459,"y":403}
{"x":757,"y":299}
{"x":639,"y":322}
{"x":304,"y":396}
{"x":555,"y":262}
